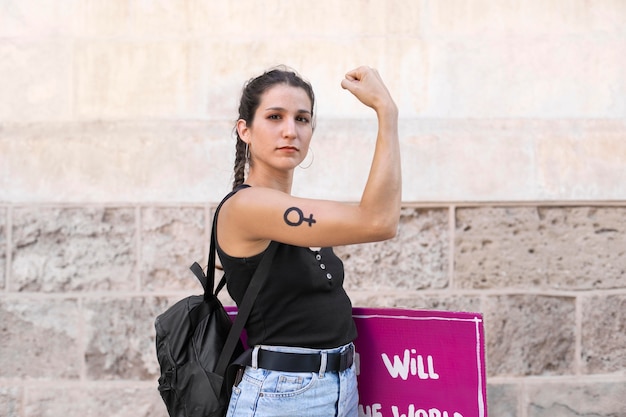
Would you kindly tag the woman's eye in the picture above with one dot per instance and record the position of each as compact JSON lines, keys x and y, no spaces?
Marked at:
{"x":273,"y":117}
{"x":302,"y":119}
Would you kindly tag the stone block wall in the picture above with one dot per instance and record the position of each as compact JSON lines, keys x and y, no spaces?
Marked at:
{"x":82,"y":285}
{"x":115,"y":146}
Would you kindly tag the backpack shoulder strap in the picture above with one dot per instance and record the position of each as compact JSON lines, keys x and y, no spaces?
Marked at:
{"x":210,"y":273}
{"x":257,"y":281}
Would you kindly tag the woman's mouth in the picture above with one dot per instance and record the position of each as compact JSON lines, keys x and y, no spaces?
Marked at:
{"x":288,"y":149}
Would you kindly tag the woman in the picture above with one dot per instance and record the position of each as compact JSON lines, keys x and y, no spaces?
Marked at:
{"x":302,"y":314}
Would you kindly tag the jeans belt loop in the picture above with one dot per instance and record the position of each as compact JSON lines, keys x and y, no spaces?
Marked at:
{"x":347,"y":357}
{"x":323,"y":363}
{"x":255,"y":357}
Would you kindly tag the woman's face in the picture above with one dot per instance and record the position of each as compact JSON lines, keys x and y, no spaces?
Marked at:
{"x":281,"y":131}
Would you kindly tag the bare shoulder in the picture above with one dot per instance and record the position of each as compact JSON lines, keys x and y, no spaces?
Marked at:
{"x":238,"y":216}
{"x":249,"y":201}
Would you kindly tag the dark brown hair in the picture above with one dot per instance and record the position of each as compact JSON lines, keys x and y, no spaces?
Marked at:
{"x":251,"y":95}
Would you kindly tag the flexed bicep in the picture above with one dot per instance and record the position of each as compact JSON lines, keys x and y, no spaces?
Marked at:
{"x":257,"y":215}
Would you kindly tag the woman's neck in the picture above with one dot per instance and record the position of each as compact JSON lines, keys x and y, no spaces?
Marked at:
{"x":276,"y":182}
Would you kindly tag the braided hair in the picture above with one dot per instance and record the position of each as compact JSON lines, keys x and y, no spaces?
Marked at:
{"x":251,"y":95}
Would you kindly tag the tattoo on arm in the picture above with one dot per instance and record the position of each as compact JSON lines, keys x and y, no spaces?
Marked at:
{"x":298,"y":218}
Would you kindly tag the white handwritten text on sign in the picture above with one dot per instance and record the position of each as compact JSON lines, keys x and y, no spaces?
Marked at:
{"x":414,"y":363}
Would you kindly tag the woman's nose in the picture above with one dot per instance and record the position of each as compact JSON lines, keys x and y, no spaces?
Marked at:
{"x":289,"y":128}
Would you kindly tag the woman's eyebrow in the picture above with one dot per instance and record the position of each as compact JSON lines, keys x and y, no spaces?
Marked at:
{"x":283,"y":109}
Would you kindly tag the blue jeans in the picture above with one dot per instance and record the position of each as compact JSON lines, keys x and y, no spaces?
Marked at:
{"x":265,"y":393}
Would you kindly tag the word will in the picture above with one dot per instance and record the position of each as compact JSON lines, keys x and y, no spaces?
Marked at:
{"x":410,"y":365}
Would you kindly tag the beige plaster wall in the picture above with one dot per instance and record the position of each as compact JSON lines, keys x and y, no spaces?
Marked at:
{"x":115,"y":145}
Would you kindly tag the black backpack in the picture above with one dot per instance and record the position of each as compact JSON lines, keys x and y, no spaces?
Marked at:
{"x":198,"y":347}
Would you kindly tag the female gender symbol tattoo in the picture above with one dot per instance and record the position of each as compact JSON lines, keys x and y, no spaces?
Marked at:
{"x":310,"y":220}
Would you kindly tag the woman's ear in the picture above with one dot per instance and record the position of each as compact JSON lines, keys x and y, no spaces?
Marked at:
{"x":243,"y":130}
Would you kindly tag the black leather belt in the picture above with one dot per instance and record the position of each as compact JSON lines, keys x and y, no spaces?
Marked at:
{"x":305,"y":362}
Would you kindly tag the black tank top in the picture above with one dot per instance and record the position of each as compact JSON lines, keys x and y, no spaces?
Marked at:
{"x":303,"y":302}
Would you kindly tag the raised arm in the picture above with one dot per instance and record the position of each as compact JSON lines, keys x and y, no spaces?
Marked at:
{"x":256,"y":215}
{"x":381,"y":198}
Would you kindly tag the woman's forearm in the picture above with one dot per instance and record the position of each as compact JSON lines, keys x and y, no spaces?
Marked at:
{"x":382,"y":196}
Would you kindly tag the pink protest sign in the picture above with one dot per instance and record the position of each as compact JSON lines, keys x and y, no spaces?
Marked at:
{"x":418,"y":363}
{"x":414,"y":363}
